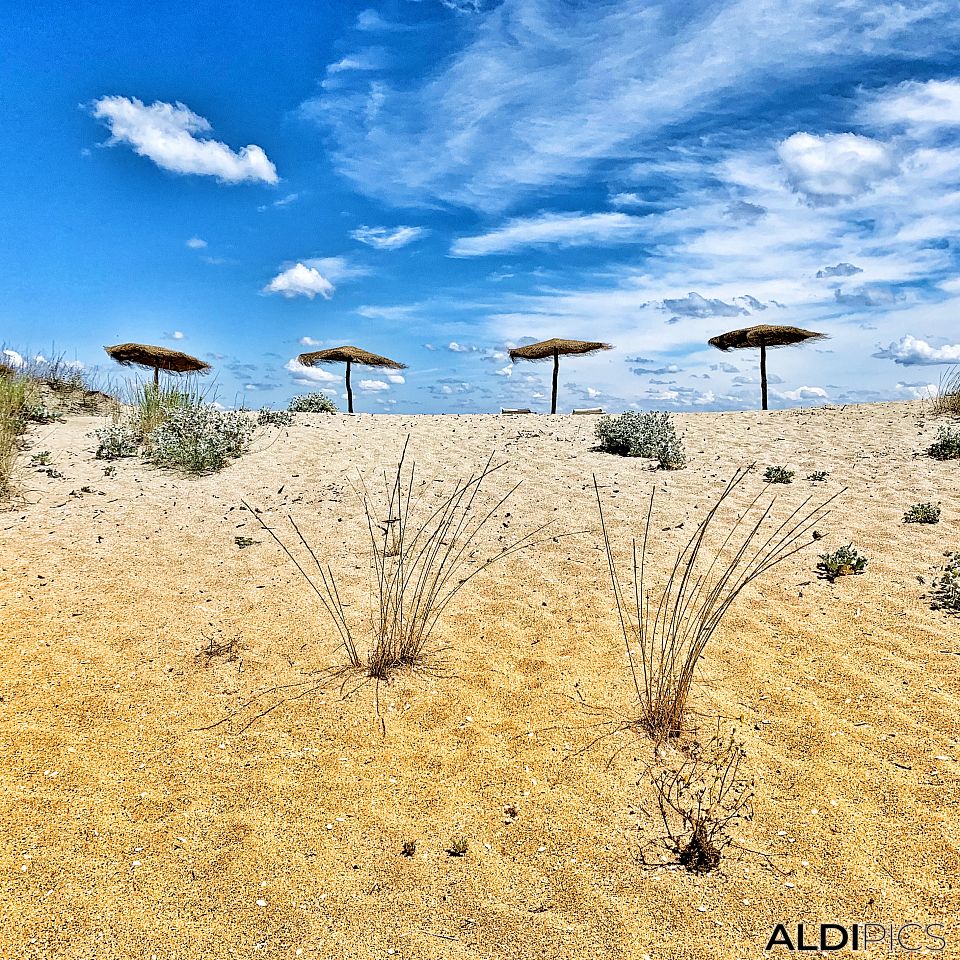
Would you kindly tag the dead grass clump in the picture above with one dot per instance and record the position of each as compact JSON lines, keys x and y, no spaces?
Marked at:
{"x":669,"y":634}
{"x":422,"y":553}
{"x":946,"y":403}
{"x":15,"y":398}
{"x":700,"y":800}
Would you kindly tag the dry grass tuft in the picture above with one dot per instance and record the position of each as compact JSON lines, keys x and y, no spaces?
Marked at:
{"x":947,"y":401}
{"x":422,"y":554}
{"x":669,"y":638}
{"x":15,"y":396}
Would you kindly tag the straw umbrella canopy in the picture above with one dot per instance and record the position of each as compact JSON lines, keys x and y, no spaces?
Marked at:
{"x":546,"y":349}
{"x":159,"y":358}
{"x":349,"y":356}
{"x":763,"y":335}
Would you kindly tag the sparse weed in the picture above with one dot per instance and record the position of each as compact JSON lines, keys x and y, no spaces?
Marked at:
{"x":779,"y":475}
{"x":700,"y":801}
{"x":946,"y":588}
{"x":670,"y":638}
{"x":923,"y":513}
{"x":458,"y":846}
{"x":818,"y":476}
{"x":946,"y":446}
{"x":844,"y":562}
{"x":649,"y":435}
{"x":41,"y":413}
{"x":409,"y":848}
{"x":312,"y":403}
{"x":41,"y":459}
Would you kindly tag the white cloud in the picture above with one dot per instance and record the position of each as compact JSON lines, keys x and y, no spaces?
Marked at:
{"x":396,"y":378}
{"x":916,"y":106}
{"x":506,"y":371}
{"x":14,"y":359}
{"x":628,"y":200}
{"x":177,"y":335}
{"x":309,"y":376}
{"x":300,"y":281}
{"x":911,"y":351}
{"x":171,"y":135}
{"x":195,"y":243}
{"x":374,"y":386}
{"x":563,"y":229}
{"x":835,"y":166}
{"x":455,"y":347}
{"x":386,"y":238}
{"x":803,"y":393}
{"x":309,"y":342}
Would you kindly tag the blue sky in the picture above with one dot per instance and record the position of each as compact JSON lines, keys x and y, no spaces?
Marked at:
{"x":439,"y":180}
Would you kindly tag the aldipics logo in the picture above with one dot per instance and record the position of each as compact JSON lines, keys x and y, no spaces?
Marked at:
{"x":824,"y":937}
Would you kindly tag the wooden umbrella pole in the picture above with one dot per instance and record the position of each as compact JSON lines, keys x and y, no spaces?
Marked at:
{"x":156,"y":378}
{"x":763,"y":376}
{"x":349,"y":391}
{"x":556,"y":373}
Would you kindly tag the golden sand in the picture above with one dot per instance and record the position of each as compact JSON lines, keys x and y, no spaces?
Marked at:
{"x":131,"y":831}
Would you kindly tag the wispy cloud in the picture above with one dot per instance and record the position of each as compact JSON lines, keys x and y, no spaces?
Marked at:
{"x":485,"y":129}
{"x":195,"y":243}
{"x":561,"y":229}
{"x":174,"y":138}
{"x":387,"y":238}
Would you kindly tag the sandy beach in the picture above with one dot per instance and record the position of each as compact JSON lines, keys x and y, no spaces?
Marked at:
{"x":178,"y":778}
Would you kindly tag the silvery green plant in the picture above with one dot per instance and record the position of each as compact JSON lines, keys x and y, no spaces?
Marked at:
{"x":116,"y":441}
{"x":312,"y":403}
{"x":946,"y":588}
{"x":274,"y":418}
{"x":778,"y":475}
{"x":642,"y":435}
{"x":199,"y":439}
{"x":923,"y":513}
{"x":946,"y":446}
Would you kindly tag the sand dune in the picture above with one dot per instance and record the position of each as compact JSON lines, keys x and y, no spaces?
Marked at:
{"x":133,"y":829}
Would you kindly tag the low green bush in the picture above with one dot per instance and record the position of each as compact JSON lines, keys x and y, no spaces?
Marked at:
{"x":649,"y":435}
{"x":312,"y":403}
{"x":199,"y":439}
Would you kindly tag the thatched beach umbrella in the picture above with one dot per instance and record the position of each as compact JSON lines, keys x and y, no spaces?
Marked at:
{"x":159,"y":358}
{"x":763,"y":335}
{"x":546,"y":349}
{"x":349,"y":356}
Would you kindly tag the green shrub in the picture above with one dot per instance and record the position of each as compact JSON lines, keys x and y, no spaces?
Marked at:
{"x":922,"y":513}
{"x":779,"y":475}
{"x":116,"y":441}
{"x":946,"y":446}
{"x":274,"y":418}
{"x":199,"y":439}
{"x":312,"y":403}
{"x":818,"y":476}
{"x":946,"y":588}
{"x":41,"y":413}
{"x":841,"y":563}
{"x":642,"y":435}
{"x":41,"y":459}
